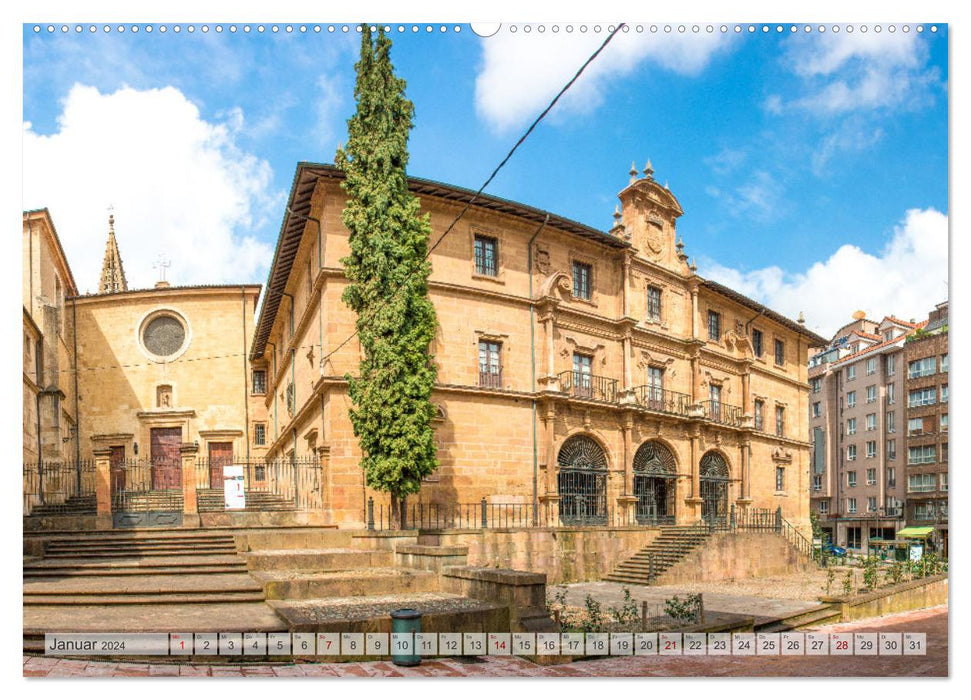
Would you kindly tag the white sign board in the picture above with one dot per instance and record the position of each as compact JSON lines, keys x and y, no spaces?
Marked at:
{"x":233,"y":487}
{"x":916,"y":551}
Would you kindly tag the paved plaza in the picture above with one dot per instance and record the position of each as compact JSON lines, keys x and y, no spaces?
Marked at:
{"x":932,"y":621}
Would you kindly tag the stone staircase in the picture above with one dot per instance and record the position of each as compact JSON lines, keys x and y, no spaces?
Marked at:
{"x":670,"y":547}
{"x":75,"y":505}
{"x":214,"y":500}
{"x":812,"y":617}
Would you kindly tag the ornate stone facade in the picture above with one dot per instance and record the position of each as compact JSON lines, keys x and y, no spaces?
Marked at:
{"x":573,"y":332}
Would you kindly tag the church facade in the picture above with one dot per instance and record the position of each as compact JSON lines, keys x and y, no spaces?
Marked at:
{"x":584,"y":377}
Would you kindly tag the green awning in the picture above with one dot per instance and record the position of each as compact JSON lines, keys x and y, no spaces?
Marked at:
{"x":915,"y":532}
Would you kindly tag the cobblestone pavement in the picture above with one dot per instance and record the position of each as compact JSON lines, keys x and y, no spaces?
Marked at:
{"x":933,"y":621}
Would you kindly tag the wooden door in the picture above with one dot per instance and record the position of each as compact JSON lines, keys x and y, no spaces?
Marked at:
{"x":166,"y":459}
{"x":220,"y":455}
{"x":117,"y":469}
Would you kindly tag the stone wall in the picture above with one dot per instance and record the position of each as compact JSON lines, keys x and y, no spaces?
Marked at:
{"x":725,"y":557}
{"x":565,"y":555}
{"x":912,"y":595}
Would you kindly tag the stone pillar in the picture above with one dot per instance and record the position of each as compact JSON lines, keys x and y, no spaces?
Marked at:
{"x":628,"y":383}
{"x":745,"y":488}
{"x":627,"y":501}
{"x":550,"y":354}
{"x":694,"y":312}
{"x":550,"y":500}
{"x":693,"y":501}
{"x":102,"y":484}
{"x":323,"y":463}
{"x":626,"y":285}
{"x":189,"y":451}
{"x":695,"y":379}
{"x":746,"y":392}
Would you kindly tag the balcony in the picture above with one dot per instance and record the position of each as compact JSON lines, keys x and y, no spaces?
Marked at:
{"x":490,"y":380}
{"x":723,"y":413}
{"x":588,"y":386}
{"x":662,"y":401}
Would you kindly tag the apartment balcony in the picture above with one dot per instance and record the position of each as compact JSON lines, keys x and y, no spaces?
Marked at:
{"x":654,"y":399}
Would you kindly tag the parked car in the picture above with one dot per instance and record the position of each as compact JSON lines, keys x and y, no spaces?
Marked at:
{"x":834,"y":550}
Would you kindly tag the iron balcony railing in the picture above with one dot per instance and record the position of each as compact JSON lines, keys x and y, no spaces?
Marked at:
{"x":490,"y":380}
{"x":722,"y":412}
{"x":588,"y":386}
{"x":656,"y":399}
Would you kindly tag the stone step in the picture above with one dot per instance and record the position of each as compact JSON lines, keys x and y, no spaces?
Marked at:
{"x":337,"y":559}
{"x":154,"y":599}
{"x":48,"y":573}
{"x":819,"y":615}
{"x":138,"y":551}
{"x":143,"y":540}
{"x":441,"y":612}
{"x":144,"y":584}
{"x":288,"y":585}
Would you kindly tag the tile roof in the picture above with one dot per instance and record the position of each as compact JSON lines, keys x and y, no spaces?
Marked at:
{"x":878,"y":346}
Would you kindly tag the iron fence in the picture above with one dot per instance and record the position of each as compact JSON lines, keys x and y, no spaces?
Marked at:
{"x":282,"y":484}
{"x":59,"y":488}
{"x":146,"y":485}
{"x":588,"y":386}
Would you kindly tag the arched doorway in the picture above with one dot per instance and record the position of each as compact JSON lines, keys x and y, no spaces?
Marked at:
{"x":582,"y":481}
{"x":655,"y":483}
{"x":714,"y":480}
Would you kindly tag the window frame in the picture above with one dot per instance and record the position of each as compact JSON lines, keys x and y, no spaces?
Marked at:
{"x":714,"y":325}
{"x":485,"y":239}
{"x":780,"y":352}
{"x":493,"y":350}
{"x":582,"y":282}
{"x":654,"y":305}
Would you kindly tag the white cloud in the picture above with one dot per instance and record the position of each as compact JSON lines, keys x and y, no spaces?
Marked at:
{"x":844,"y":72}
{"x":761,"y":196}
{"x":851,"y":136}
{"x":521,"y":72}
{"x":905,"y":279}
{"x":180,"y":186}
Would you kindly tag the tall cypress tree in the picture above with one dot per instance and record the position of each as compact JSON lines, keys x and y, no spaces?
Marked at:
{"x":388,"y":282}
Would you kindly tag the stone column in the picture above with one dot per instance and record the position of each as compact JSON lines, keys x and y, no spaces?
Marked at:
{"x":189,"y":450}
{"x":694,"y":312}
{"x":323,"y":462}
{"x":102,"y":484}
{"x":746,"y":392}
{"x":626,"y":285}
{"x":550,"y":353}
{"x":550,"y":500}
{"x":745,"y":488}
{"x":628,"y":372}
{"x":693,"y":501}
{"x":627,"y":501}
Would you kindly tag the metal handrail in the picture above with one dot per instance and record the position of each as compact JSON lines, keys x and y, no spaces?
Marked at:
{"x":722,"y":412}
{"x":588,"y":386}
{"x":661,"y":400}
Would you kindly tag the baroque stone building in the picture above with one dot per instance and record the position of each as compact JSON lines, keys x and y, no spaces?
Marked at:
{"x":593,"y":374}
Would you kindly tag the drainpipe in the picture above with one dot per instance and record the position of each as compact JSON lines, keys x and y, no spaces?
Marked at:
{"x":276,"y":426}
{"x":532,"y":353}
{"x":242,"y":293}
{"x":293,"y":359}
{"x":77,"y":399}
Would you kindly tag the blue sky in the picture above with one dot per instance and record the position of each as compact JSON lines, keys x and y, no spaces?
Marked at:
{"x":800,"y":159}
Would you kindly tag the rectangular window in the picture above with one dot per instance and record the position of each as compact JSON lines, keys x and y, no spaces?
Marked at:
{"x":654,"y":303}
{"x":871,"y":421}
{"x":891,"y":449}
{"x":923,"y":454}
{"x":851,"y":399}
{"x":923,"y":367}
{"x":871,"y":449}
{"x":490,"y":364}
{"x":871,"y":366}
{"x":921,"y":483}
{"x":943,"y":478}
{"x":757,"y":342}
{"x":759,"y":413}
{"x":816,"y":384}
{"x":582,"y":380}
{"x":871,"y":504}
{"x":922,"y":397}
{"x":486,"y":256}
{"x":715,"y":396}
{"x":823,"y":507}
{"x":780,"y":478}
{"x":943,"y":422}
{"x":891,"y":422}
{"x":944,"y":363}
{"x":259,"y":381}
{"x":816,"y":409}
{"x":851,"y":373}
{"x":851,"y":508}
{"x":851,"y":456}
{"x":780,"y":352}
{"x":851,"y":426}
{"x":943,"y":453}
{"x":944,"y":393}
{"x":259,"y":433}
{"x":891,"y":477}
{"x":655,"y":387}
{"x":891,"y":365}
{"x":915,"y":426}
{"x":714,"y":325}
{"x":871,"y":393}
{"x":891,"y":393}
{"x":780,"y":420}
{"x":817,"y":482}
{"x":581,"y":280}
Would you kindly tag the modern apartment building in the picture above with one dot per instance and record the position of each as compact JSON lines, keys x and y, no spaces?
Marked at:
{"x":926,"y":355}
{"x":857,"y":426}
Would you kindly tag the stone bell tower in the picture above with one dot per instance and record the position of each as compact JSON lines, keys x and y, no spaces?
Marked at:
{"x":647,"y":219}
{"x":112,"y":272}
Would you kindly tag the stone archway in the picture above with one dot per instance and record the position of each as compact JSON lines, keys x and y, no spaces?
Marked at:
{"x":655,"y":483}
{"x":714,"y":479}
{"x":582,"y":481}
